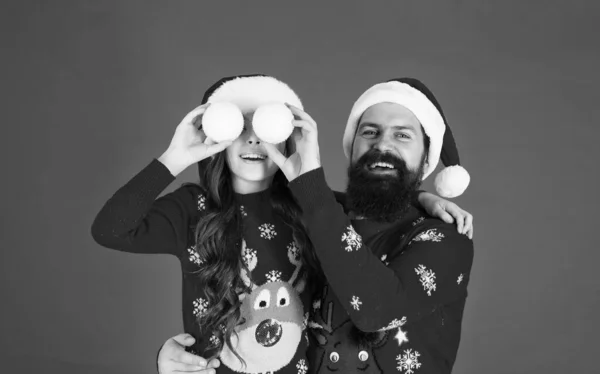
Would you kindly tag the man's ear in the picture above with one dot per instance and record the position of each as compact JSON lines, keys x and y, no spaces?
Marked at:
{"x":426,"y":159}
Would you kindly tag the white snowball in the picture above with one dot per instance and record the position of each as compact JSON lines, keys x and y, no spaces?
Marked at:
{"x":272,"y":123}
{"x":222,"y":121}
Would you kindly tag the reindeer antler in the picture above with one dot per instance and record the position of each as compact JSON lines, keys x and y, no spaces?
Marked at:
{"x":251,"y":261}
{"x":318,"y":317}
{"x":295,"y":259}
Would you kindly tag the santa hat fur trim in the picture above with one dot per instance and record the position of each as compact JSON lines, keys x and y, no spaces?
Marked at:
{"x":250,"y":92}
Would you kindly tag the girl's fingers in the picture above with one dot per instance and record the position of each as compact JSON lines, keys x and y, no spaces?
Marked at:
{"x":274,"y":154}
{"x":301,"y":114}
{"x":190,"y":118}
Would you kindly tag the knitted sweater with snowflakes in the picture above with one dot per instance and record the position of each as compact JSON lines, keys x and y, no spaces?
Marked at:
{"x":396,"y":291}
{"x":272,"y":337}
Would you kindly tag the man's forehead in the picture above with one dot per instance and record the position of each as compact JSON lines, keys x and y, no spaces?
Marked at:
{"x":389,"y":114}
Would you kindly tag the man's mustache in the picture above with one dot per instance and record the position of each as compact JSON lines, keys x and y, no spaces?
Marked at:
{"x":373,"y":156}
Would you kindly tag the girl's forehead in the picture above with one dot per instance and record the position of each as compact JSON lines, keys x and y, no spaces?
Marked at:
{"x":248,"y":117}
{"x":248,"y":120}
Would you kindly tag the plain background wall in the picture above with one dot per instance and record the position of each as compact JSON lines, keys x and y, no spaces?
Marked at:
{"x":92,"y":90}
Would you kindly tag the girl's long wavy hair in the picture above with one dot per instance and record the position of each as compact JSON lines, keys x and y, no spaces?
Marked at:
{"x":218,"y":236}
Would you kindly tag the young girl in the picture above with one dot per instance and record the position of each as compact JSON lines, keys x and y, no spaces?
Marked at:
{"x":248,"y":265}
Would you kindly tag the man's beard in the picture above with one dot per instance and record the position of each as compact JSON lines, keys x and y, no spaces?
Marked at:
{"x":381,"y":197}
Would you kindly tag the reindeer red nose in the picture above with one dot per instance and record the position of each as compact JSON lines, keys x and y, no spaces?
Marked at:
{"x":268,"y":333}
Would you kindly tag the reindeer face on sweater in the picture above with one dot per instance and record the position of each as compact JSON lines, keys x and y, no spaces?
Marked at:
{"x":272,"y":323}
{"x":343,"y":349}
{"x":270,"y":307}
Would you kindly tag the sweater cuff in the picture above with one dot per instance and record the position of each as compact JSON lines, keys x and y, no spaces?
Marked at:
{"x":311,"y":190}
{"x":161,"y":170}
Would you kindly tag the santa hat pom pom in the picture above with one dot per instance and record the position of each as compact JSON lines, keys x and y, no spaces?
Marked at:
{"x":452,"y":181}
{"x":222,"y":121}
{"x":272,"y":123}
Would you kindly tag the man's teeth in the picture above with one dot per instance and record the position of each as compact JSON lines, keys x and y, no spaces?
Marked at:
{"x":253,"y":156}
{"x":382,"y":165}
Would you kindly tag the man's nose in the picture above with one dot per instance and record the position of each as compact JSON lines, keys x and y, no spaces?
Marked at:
{"x":384,"y":144}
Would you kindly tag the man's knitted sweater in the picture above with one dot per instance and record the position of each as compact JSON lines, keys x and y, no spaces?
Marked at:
{"x":396,"y":292}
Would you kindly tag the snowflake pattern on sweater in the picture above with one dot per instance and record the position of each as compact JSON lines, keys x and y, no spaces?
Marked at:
{"x":430,"y":235}
{"x":302,"y":366}
{"x":352,"y":240}
{"x":274,"y":276}
{"x":267,"y":231}
{"x":418,"y":220}
{"x":194,"y":256}
{"x":356,"y":303}
{"x":427,"y":278}
{"x":200,"y":306}
{"x":394,"y":324}
{"x":215,"y":341}
{"x":408,"y":361}
{"x":201,"y":202}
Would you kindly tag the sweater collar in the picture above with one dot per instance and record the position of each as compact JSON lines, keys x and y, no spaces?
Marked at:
{"x":254,"y":197}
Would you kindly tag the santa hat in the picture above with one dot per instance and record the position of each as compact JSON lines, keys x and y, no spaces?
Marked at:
{"x":411,"y":93}
{"x":249,"y":92}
